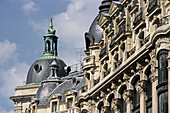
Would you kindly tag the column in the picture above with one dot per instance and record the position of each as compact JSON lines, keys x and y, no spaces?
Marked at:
{"x":141,"y":87}
{"x":128,"y":97}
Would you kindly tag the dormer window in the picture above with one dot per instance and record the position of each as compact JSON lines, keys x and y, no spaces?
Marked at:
{"x":54,"y":106}
{"x":70,"y":103}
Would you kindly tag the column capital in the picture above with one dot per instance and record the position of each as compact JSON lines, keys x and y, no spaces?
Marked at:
{"x":116,"y":104}
{"x":141,"y":86}
{"x":105,"y":109}
{"x":128,"y":96}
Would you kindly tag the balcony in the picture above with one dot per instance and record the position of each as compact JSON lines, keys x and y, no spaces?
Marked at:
{"x":88,"y":62}
{"x":118,"y":63}
{"x":107,"y":72}
{"x":164,"y":21}
{"x":131,"y":52}
{"x":102,"y":52}
{"x":144,"y":41}
{"x":153,"y":4}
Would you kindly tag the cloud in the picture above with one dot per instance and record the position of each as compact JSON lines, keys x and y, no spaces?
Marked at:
{"x":39,"y":26}
{"x":29,"y":6}
{"x":12,"y":73}
{"x":7,"y":51}
{"x":12,"y":77}
{"x":75,"y":21}
{"x":4,"y":111}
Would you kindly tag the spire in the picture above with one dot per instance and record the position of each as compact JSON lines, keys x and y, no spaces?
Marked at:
{"x":51,"y":24}
{"x":50,"y":31}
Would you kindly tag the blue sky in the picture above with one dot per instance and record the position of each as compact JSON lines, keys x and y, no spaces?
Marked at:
{"x":23,"y":23}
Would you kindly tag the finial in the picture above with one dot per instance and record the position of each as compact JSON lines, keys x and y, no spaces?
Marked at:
{"x":51,"y":23}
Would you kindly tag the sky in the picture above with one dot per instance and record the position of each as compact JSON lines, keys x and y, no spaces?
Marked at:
{"x":23,"y":23}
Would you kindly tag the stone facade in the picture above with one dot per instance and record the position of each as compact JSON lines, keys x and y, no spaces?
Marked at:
{"x":128,"y":71}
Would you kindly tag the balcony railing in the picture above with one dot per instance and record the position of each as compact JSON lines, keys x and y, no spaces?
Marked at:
{"x":138,"y":19}
{"x":102,"y":52}
{"x":131,"y":52}
{"x":118,"y":63}
{"x":96,"y":81}
{"x":152,"y":5}
{"x":107,"y":72}
{"x":144,"y":41}
{"x":164,"y":21}
{"x":112,"y":44}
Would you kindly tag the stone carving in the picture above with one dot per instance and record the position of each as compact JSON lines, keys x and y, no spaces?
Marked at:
{"x":116,"y":104}
{"x":128,"y":96}
{"x":105,"y":109}
{"x":153,"y":65}
{"x":141,"y":86}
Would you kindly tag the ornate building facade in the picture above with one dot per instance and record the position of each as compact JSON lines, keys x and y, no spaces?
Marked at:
{"x":51,"y":86}
{"x":127,"y":68}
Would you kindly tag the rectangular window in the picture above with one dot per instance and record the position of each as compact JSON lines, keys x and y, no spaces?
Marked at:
{"x":70,"y":103}
{"x":54,"y":107}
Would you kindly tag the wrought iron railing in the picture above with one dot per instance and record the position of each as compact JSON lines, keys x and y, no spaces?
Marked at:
{"x":131,"y":52}
{"x":164,"y":21}
{"x":118,"y":63}
{"x":138,"y":19}
{"x":144,"y":41}
{"x":102,"y":52}
{"x":152,"y":5}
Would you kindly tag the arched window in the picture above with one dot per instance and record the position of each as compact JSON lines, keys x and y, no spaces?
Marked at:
{"x":122,"y":101}
{"x":162,"y":81}
{"x":100,"y":107}
{"x":149,"y":92}
{"x":87,"y":43}
{"x":110,"y":100}
{"x":47,"y":45}
{"x":84,"y":111}
{"x":162,"y":66}
{"x":136,"y":99}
